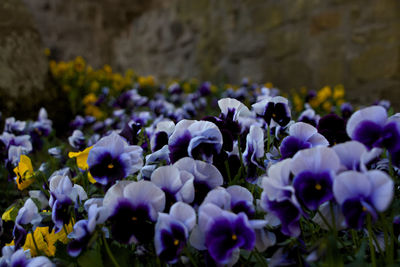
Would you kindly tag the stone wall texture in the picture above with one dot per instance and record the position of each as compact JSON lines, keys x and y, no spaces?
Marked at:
{"x":291,"y":43}
{"x":23,"y":65}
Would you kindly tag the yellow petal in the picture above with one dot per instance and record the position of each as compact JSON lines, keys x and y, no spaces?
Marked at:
{"x":91,"y":179}
{"x":7,"y":214}
{"x":24,"y":172}
{"x":81,"y":158}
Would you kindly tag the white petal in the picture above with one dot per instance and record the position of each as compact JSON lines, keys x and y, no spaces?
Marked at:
{"x":184,"y":213}
{"x":351,"y":184}
{"x":382,"y":189}
{"x":376,"y":114}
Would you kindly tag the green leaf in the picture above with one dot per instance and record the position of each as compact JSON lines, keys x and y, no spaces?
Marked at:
{"x":90,"y":258}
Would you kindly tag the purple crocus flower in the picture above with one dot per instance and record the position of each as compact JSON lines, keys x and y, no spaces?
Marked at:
{"x":112,"y":159}
{"x":314,"y":171}
{"x":133,"y":209}
{"x":279,"y":199}
{"x":172,"y":231}
{"x":206,"y":176}
{"x":301,"y":136}
{"x":360,"y":194}
{"x":254,"y":151}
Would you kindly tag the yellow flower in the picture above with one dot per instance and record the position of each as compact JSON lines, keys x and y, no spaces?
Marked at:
{"x":81,"y":158}
{"x":24,"y":172}
{"x":186,"y":87}
{"x":66,"y":88}
{"x":298,"y":102}
{"x":269,"y":85}
{"x":129,"y":73}
{"x":94,"y":111}
{"x":327,"y":106}
{"x":214,"y":89}
{"x":146,"y":81}
{"x":45,"y":240}
{"x":7,"y":214}
{"x":338,"y":92}
{"x":89,"y":99}
{"x":94,"y":86}
{"x":81,"y":161}
{"x":107,"y":68}
{"x":79,"y":64}
{"x":47,"y":52}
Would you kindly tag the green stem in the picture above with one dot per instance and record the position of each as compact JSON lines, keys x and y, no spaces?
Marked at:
{"x":260,"y":259}
{"x":333,"y":219}
{"x":34,"y":243}
{"x":371,"y":246}
{"x":228,"y":171}
{"x":189,"y":255}
{"x":65,"y":230}
{"x":109,"y":252}
{"x":391,"y":171}
{"x":325,"y":221}
{"x":268,"y":138}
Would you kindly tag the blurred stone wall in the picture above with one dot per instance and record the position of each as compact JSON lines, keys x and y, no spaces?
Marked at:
{"x":291,"y":43}
{"x":23,"y":65}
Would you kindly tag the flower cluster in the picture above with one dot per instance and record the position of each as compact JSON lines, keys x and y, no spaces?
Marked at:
{"x":187,"y":177}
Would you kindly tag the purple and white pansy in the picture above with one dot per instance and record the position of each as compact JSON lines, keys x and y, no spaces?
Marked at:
{"x":112,"y":159}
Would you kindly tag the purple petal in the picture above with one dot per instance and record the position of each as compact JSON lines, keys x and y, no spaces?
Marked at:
{"x":351,"y":184}
{"x":376,"y":114}
{"x":313,"y":189}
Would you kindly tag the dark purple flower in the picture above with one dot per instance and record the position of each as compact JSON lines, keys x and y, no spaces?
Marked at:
{"x":333,"y":128}
{"x":197,"y":139}
{"x":112,"y":159}
{"x":227,"y":233}
{"x":314,"y":171}
{"x":274,"y":109}
{"x":346,"y":110}
{"x":206,"y":176}
{"x":360,"y":194}
{"x":278,"y":197}
{"x":313,"y":189}
{"x":130,"y":132}
{"x":254,"y":151}
{"x":172,"y":231}
{"x":133,"y":209}
{"x":301,"y":136}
